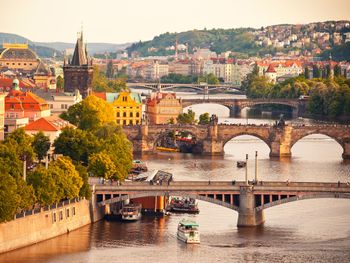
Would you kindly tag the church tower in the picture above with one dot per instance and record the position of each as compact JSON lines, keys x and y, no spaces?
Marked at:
{"x":78,"y":72}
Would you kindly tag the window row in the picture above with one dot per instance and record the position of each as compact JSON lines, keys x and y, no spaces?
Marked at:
{"x":131,"y":114}
{"x":60,"y":214}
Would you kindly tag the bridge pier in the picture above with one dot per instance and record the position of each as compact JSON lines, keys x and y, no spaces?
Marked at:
{"x":235,"y":111}
{"x":247,"y":214}
{"x":346,"y":153}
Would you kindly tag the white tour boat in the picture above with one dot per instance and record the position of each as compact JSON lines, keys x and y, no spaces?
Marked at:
{"x":131,"y":212}
{"x":188,"y":231}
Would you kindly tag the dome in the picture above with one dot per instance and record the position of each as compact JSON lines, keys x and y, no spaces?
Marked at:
{"x":18,"y":53}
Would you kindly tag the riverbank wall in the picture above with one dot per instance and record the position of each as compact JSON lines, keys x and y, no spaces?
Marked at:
{"x":49,"y":222}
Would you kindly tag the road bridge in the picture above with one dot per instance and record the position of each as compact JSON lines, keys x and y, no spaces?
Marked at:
{"x":211,"y":139}
{"x":248,"y":200}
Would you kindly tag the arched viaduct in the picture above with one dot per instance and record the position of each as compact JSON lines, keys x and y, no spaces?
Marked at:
{"x":211,"y":139}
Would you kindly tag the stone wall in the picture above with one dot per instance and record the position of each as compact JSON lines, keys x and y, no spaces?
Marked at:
{"x":47,"y":224}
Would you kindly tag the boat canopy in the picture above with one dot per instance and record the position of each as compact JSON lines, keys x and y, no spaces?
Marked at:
{"x":188,"y":223}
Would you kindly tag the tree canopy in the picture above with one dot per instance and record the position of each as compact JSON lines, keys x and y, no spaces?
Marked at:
{"x":187,"y":118}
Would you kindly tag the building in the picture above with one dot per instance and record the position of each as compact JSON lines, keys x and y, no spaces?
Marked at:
{"x":51,"y":127}
{"x":156,"y":70}
{"x":2,"y":116}
{"x":161,"y":107}
{"x":271,"y":74}
{"x":128,"y":106}
{"x":22,"y":108}
{"x":78,"y":72}
{"x":59,"y":102}
{"x":21,"y":60}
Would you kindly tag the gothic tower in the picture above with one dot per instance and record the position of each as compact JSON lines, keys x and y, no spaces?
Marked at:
{"x":78,"y":72}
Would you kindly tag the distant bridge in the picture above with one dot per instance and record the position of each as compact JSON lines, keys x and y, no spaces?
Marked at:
{"x":169,"y":86}
{"x":236,"y":105}
{"x":248,"y":200}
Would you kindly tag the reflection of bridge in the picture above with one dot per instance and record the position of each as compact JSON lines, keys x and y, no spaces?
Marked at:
{"x":168,"y":86}
{"x":249,"y":200}
{"x":236,"y":105}
{"x":211,"y":139}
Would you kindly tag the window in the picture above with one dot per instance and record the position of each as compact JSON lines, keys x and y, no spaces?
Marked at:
{"x":73,"y":211}
{"x":137,"y":114}
{"x":62,"y":106}
{"x":61,"y":215}
{"x":54,"y":218}
{"x":124,"y":122}
{"x":124,"y":114}
{"x":67,"y":212}
{"x":118,"y":114}
{"x":131,"y":114}
{"x":51,"y":106}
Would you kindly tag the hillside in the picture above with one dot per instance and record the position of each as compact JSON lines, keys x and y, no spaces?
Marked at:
{"x":338,"y":53}
{"x":308,"y":38}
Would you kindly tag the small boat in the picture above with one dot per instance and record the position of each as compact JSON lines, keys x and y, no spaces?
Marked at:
{"x":184,"y":205}
{"x":167,"y":149}
{"x":131,"y":212}
{"x":241,"y":164}
{"x":188,"y":232}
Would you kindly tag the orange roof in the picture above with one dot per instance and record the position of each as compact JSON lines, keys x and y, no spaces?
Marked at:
{"x":271,"y":69}
{"x":51,"y":123}
{"x":101,"y":95}
{"x":6,"y":83}
{"x":18,"y":100}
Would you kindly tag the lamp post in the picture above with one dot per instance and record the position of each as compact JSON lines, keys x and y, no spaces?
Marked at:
{"x":256,"y":166}
{"x":246,"y":169}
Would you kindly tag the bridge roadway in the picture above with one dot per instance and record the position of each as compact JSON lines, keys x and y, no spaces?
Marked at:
{"x":248,"y":200}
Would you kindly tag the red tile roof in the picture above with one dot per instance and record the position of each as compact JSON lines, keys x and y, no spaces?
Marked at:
{"x":6,"y":83}
{"x":19,"y":100}
{"x":52,"y":123}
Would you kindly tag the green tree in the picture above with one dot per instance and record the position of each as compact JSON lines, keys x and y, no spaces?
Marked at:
{"x":187,"y":118}
{"x":26,"y":193}
{"x":22,"y":144}
{"x":45,"y":187}
{"x":41,"y":145}
{"x":102,"y":165}
{"x":90,"y":114}
{"x":59,"y":83}
{"x":204,"y":118}
{"x":9,"y":198}
{"x":66,"y":177}
{"x":85,"y":189}
{"x":77,"y":144}
{"x":110,"y":70}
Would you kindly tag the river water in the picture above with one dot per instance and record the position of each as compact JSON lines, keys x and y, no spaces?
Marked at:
{"x":315,"y":230}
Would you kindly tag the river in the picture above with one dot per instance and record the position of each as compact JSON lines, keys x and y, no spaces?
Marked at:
{"x":316,"y":230}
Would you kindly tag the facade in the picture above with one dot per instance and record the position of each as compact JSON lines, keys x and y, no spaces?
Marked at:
{"x":161,"y":107}
{"x":78,"y":72}
{"x":286,"y":69}
{"x":22,"y":108}
{"x":155,"y":71}
{"x":59,"y":102}
{"x":20,"y":59}
{"x":51,"y":127}
{"x":128,"y":106}
{"x":271,"y":74}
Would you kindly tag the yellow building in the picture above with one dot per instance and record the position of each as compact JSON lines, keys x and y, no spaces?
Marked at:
{"x":128,"y":108}
{"x":161,"y":107}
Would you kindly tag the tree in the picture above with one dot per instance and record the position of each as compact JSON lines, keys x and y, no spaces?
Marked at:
{"x":9,"y":199}
{"x":26,"y":193}
{"x":90,"y":114}
{"x":66,"y":177}
{"x":307,"y":73}
{"x":41,"y":144}
{"x":22,"y":144}
{"x":204,"y":118}
{"x":102,"y":165}
{"x":337,"y":71}
{"x":59,"y":83}
{"x":110,"y":70}
{"x":45,"y":187}
{"x":187,"y":118}
{"x":77,"y":144}
{"x":85,"y":189}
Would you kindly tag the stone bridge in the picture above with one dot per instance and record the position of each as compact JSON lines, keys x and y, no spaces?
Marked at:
{"x":236,"y":105}
{"x":199,"y":87}
{"x":211,"y":139}
{"x":248,"y":200}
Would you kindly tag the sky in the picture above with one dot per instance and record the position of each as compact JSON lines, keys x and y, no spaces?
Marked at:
{"x":116,"y":21}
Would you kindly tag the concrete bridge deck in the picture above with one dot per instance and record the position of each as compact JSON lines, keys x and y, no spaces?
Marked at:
{"x":249,"y":200}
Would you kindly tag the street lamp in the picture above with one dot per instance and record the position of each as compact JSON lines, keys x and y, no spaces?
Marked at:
{"x":246,"y":169}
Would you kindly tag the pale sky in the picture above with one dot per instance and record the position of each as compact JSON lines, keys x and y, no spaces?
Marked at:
{"x":116,"y":21}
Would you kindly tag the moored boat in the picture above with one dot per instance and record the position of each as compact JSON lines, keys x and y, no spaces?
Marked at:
{"x":167,"y":149}
{"x":188,"y":231}
{"x":241,"y":164}
{"x":131,"y":212}
{"x":184,"y":205}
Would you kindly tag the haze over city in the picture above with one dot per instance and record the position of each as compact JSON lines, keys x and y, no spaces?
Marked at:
{"x":130,"y":21}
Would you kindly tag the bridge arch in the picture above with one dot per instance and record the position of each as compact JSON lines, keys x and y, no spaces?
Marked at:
{"x":253,"y":134}
{"x":165,"y":193}
{"x":300,"y":136}
{"x":303,"y":197}
{"x":211,"y":104}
